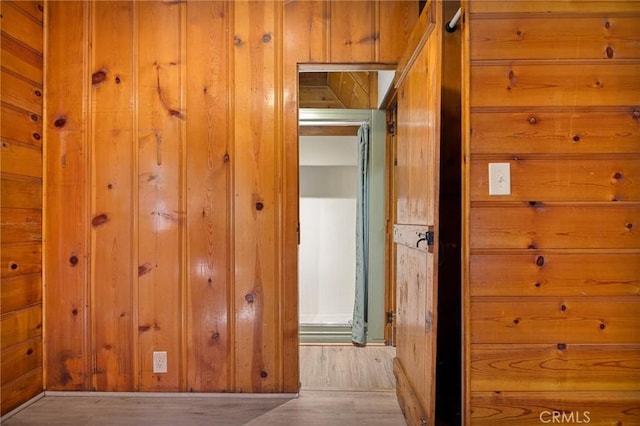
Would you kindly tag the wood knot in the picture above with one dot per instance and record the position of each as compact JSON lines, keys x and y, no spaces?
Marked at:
{"x":516,"y":321}
{"x":30,"y":351}
{"x":36,"y":136}
{"x":576,"y":138}
{"x":73,"y":260}
{"x":609,"y":52}
{"x":40,"y":7}
{"x":237,"y":41}
{"x":13,"y":266}
{"x":117,"y":80}
{"x":629,"y":226}
{"x":540,"y":261}
{"x":602,"y":326}
{"x":562,"y":346}
{"x":533,"y":120}
{"x":537,"y":284}
{"x":250,"y":298}
{"x":99,"y":220}
{"x":110,"y":186}
{"x":617,"y":175}
{"x":226,"y":157}
{"x":607,"y":24}
{"x":259,"y":205}
{"x":264,"y":374}
{"x":37,"y":93}
{"x":533,"y":203}
{"x":636,"y":114}
{"x":98,"y":77}
{"x":144,"y":269}
{"x":215,"y":336}
{"x":563,"y":307}
{"x":33,"y":117}
{"x":60,"y":121}
{"x":75,"y":311}
{"x":209,"y":281}
{"x":108,"y":346}
{"x":266,"y":38}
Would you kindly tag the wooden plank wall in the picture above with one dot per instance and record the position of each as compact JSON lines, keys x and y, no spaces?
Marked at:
{"x":552,"y":273}
{"x":171,"y":155}
{"x":21,"y":82}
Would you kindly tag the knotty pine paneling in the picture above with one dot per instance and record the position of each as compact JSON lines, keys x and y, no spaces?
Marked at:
{"x":112,"y":152}
{"x":575,"y":37}
{"x":172,"y":192}
{"x":572,"y":179}
{"x":559,"y":367}
{"x":574,"y":131}
{"x":600,"y":408}
{"x":208,"y":130}
{"x":21,"y":202}
{"x":67,"y":215}
{"x":555,"y":273}
{"x":551,"y":270}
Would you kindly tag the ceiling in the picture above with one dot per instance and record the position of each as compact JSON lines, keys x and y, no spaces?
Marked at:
{"x":344,"y":90}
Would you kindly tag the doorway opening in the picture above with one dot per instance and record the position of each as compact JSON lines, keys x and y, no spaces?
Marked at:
{"x":333,"y":106}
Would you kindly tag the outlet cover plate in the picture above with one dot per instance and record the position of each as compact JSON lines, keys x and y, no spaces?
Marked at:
{"x":159,"y":361}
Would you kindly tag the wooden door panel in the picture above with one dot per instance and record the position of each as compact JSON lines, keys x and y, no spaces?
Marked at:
{"x":416,"y":176}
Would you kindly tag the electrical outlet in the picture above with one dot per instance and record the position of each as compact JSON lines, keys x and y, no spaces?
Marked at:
{"x":159,"y":361}
{"x":499,"y":179}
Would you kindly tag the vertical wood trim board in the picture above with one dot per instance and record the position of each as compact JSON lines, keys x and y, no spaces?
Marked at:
{"x":172,"y":193}
{"x":550,"y":270}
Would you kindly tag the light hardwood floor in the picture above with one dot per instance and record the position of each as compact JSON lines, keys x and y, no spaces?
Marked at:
{"x":347,"y":367}
{"x":341,"y":385}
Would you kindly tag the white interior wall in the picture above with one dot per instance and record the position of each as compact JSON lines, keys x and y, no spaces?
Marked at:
{"x":328,"y":186}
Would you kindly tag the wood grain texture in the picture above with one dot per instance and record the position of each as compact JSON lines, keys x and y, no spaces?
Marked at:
{"x":20,"y":225}
{"x":20,"y":192}
{"x":21,"y":160}
{"x":547,"y":7}
{"x":21,"y":25}
{"x":21,"y":390}
{"x":21,"y":325}
{"x":561,"y":274}
{"x":20,"y":126}
{"x":21,"y":291}
{"x":112,"y":204}
{"x":555,"y":320}
{"x":161,"y":223}
{"x":540,"y":180}
{"x":66,"y":261}
{"x":21,"y":359}
{"x":395,"y":22}
{"x":172,"y":190}
{"x":21,"y":259}
{"x":417,"y":179}
{"x":556,"y":132}
{"x":574,"y":37}
{"x":514,"y":85}
{"x":24,"y":94}
{"x":351,"y":42}
{"x":602,"y":408}
{"x":558,"y":367}
{"x":258,"y":110}
{"x":544,"y":227}
{"x":20,"y":59}
{"x":209,"y":160}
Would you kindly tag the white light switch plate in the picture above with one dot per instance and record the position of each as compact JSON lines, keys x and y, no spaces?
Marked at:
{"x":499,"y":179}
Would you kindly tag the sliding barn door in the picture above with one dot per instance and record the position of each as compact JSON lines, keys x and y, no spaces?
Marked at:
{"x":416,"y":228}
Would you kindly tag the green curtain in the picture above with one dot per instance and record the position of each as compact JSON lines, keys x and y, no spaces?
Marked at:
{"x":359,"y":324}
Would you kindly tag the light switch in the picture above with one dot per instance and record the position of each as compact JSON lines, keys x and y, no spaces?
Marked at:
{"x":499,"y":179}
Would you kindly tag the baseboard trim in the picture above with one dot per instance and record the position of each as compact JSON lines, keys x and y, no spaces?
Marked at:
{"x":169,"y":394}
{"x":22,"y":407}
